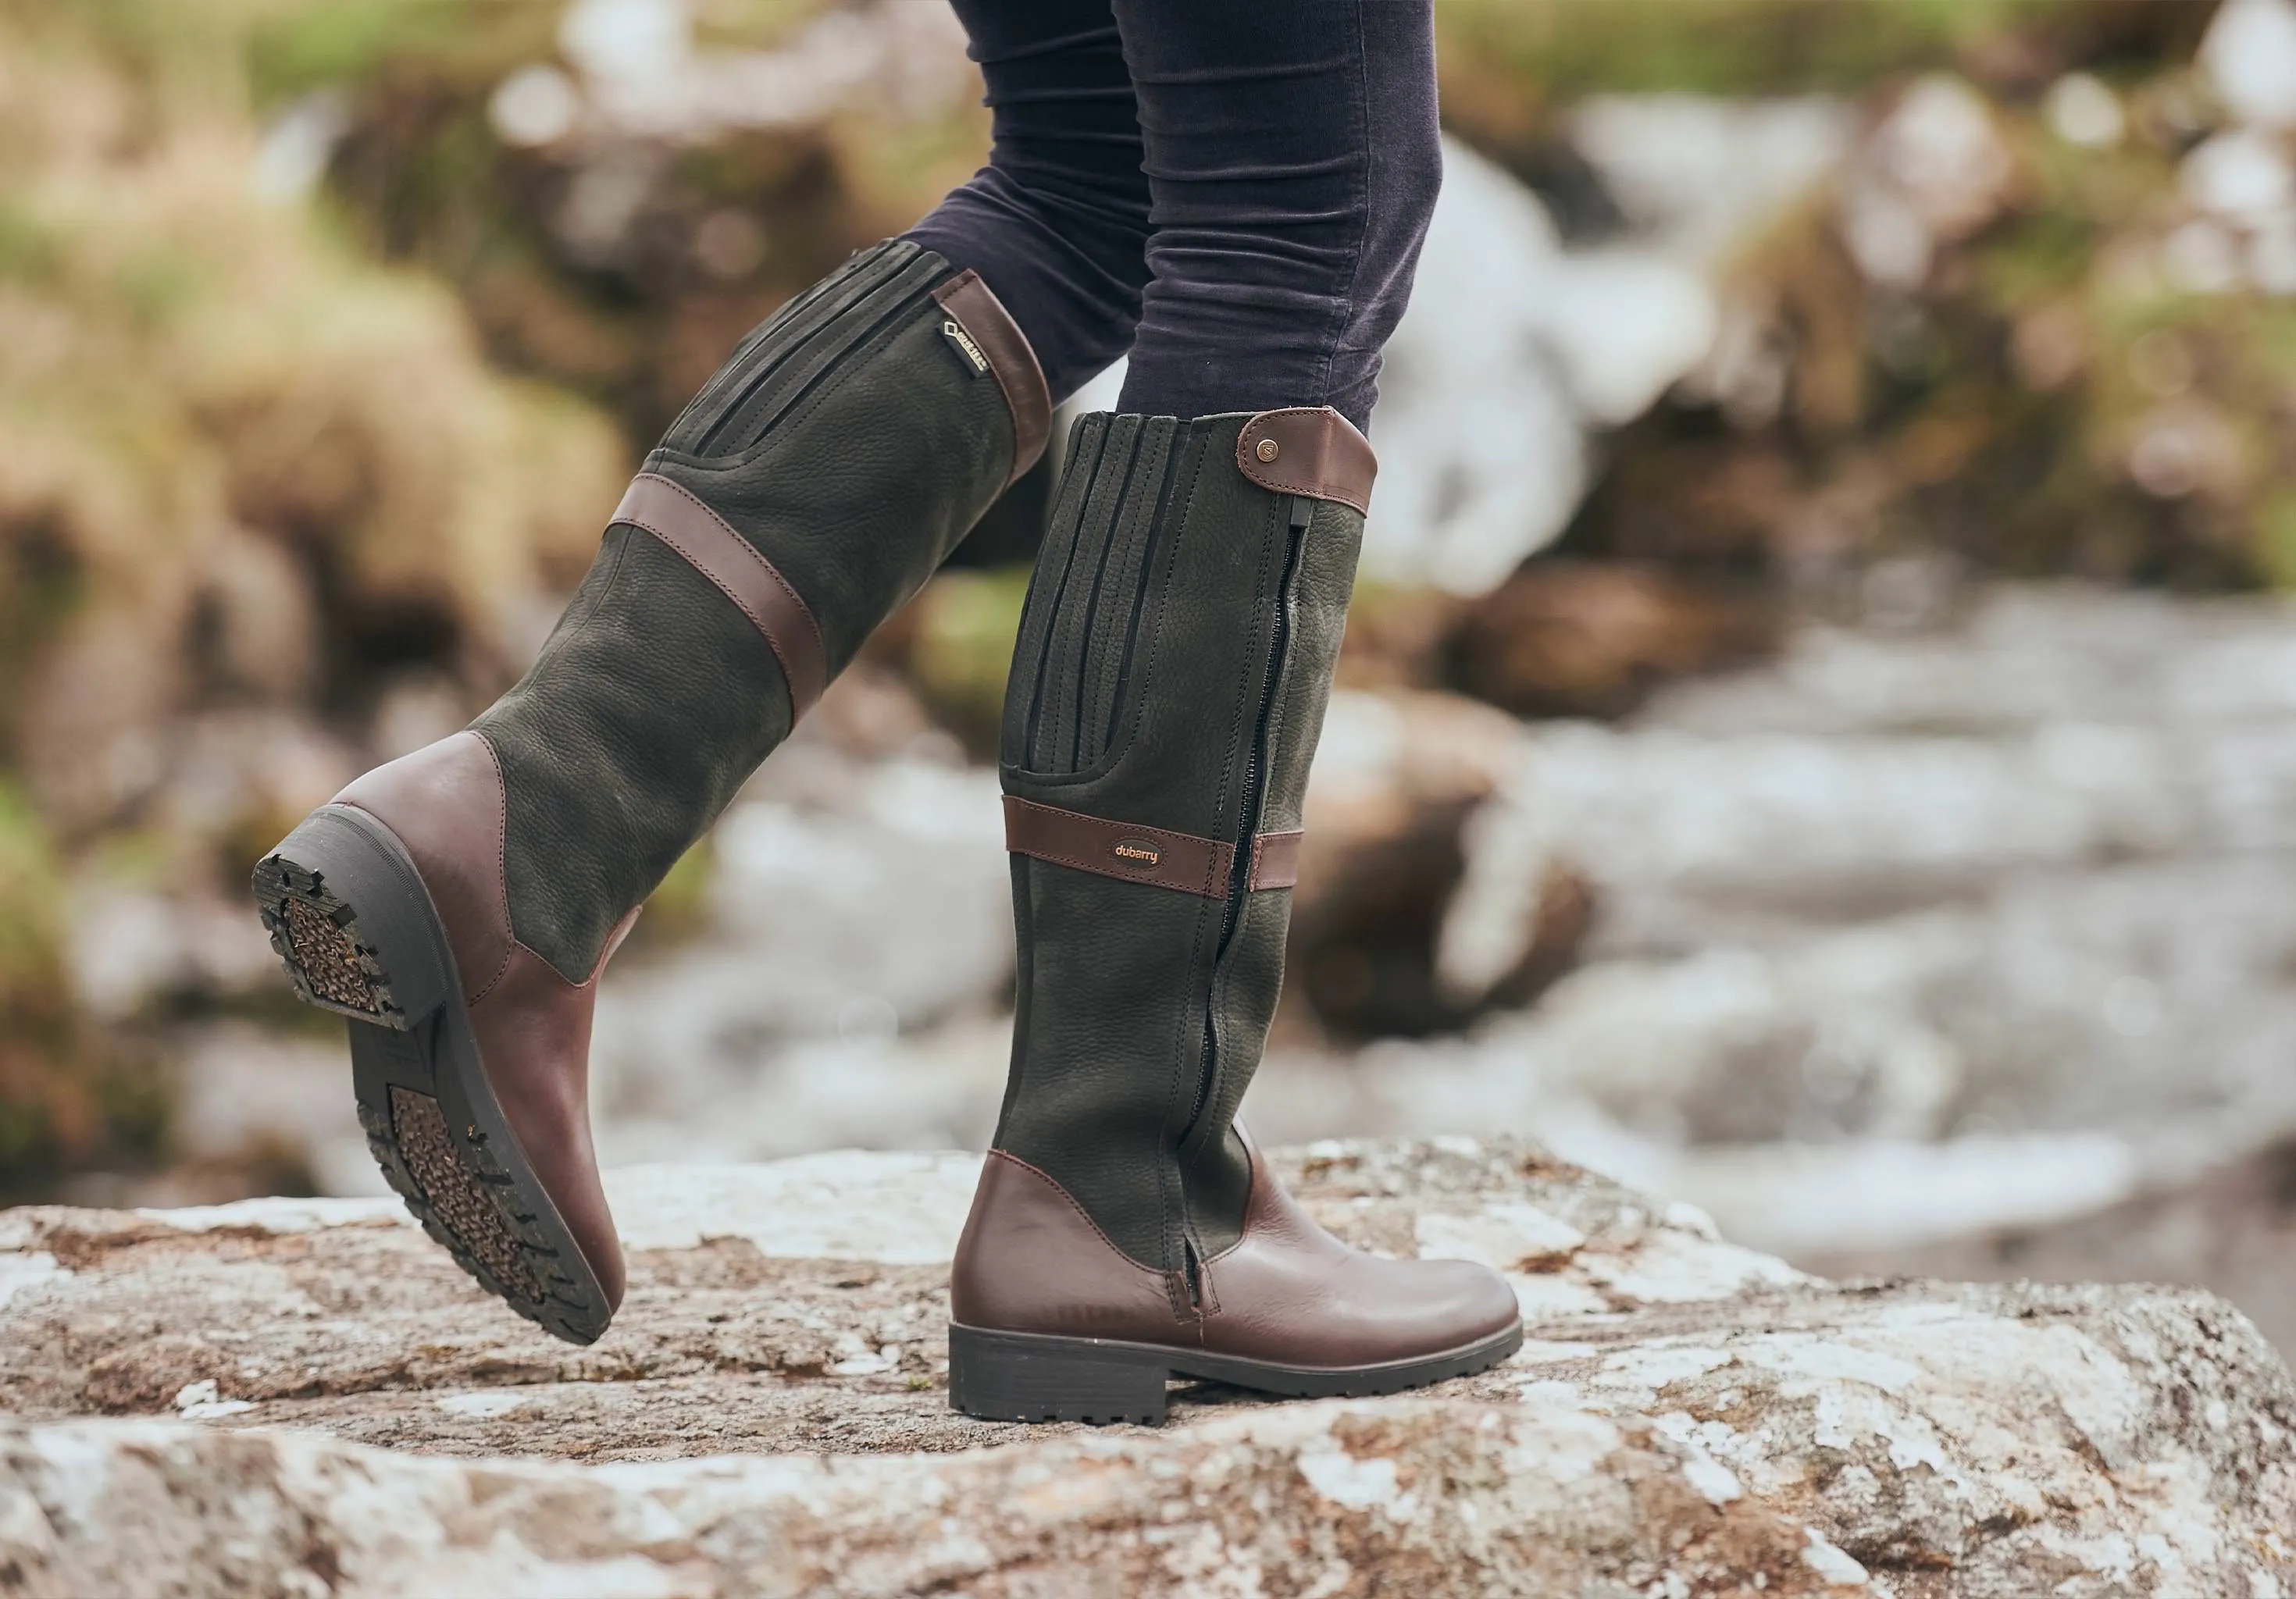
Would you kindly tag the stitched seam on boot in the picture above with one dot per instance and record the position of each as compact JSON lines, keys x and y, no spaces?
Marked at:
{"x":826,"y":381}
{"x":1211,"y":870}
{"x":1152,"y":542}
{"x":1179,"y":1046}
{"x":501,"y":864}
{"x":772,"y":571}
{"x":1194,"y":1138}
{"x":1090,"y":662}
{"x":1278,"y":728}
{"x":1175,"y":1295}
{"x":1208,"y":1304}
{"x":1209,"y":1072}
{"x":1118,"y":749}
{"x":1086,"y":1216}
{"x":1250,"y":1189}
{"x":859,"y":263}
{"x":1187,"y":1046}
{"x":789,"y":677}
{"x":614,"y":937}
{"x":1320,"y":487}
{"x":827,"y":386}
{"x":502,"y":879}
{"x":1082,"y":474}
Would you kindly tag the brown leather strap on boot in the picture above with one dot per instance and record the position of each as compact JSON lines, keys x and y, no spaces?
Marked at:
{"x":1149,"y":855}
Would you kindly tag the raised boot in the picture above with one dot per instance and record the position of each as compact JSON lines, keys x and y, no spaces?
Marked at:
{"x":458,"y":904}
{"x":1168,"y":690}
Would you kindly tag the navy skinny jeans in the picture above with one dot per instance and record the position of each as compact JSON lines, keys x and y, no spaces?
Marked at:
{"x":1234,"y":193}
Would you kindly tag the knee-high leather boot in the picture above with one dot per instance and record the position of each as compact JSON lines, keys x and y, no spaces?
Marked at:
{"x":1168,"y":690}
{"x":458,"y":904}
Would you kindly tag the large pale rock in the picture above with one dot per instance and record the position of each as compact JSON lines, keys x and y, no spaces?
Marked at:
{"x":851,"y":900}
{"x":2024,"y":656}
{"x":2249,"y":54}
{"x":1688,"y":830}
{"x":1963,"y":932}
{"x":2149,"y":1000}
{"x":1514,"y":349}
{"x":1396,"y":774}
{"x":2231,"y":1229}
{"x":196,"y":1397}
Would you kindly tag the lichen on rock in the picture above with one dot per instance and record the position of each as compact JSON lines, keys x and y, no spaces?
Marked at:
{"x":202,"y":1394}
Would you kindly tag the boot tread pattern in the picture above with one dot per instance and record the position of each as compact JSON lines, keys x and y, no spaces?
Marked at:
{"x":315,"y":936}
{"x":457,"y":1190}
{"x":462,"y":1201}
{"x":452,"y":1182}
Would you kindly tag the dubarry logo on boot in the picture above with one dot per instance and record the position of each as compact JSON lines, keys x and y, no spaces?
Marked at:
{"x":1136,"y":852}
{"x":953,"y":331}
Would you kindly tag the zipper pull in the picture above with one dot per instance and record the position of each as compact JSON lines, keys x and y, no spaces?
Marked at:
{"x":1192,"y":1264}
{"x":1303,"y":512}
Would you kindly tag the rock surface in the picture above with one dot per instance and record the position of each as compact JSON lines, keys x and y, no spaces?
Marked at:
{"x":1965,"y":929}
{"x":769,"y":1415}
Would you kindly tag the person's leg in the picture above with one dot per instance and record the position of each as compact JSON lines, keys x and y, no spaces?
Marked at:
{"x":1293,"y":158}
{"x":1167,"y":693}
{"x":1057,"y":222}
{"x":457,"y":904}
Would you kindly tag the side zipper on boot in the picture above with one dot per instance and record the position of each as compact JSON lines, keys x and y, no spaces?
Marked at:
{"x":1255,"y":785}
{"x":1255,"y":772}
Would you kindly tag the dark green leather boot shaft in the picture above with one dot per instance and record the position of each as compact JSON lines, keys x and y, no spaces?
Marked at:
{"x":1168,"y":690}
{"x":1169,"y":682}
{"x":849,"y":443}
{"x":458,"y":904}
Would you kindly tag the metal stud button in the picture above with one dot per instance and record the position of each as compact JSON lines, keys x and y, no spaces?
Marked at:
{"x":1267,"y":450}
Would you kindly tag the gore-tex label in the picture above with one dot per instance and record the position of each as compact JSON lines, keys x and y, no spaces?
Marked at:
{"x":953,"y":331}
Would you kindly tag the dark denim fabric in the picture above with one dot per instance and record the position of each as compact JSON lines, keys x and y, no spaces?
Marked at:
{"x":1236,"y":193}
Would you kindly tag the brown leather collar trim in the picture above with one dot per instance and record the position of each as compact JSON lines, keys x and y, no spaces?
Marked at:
{"x":672,"y":514}
{"x":992,"y":330}
{"x":1275,"y":860}
{"x":1312,"y":451}
{"x":1154,"y":856}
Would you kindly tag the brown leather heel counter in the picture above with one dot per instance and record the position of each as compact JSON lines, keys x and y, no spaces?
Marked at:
{"x":444,"y":803}
{"x":1031,"y":1261}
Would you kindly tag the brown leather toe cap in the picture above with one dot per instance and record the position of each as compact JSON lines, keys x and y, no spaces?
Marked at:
{"x":1031,"y":1260}
{"x":1289,"y":1291}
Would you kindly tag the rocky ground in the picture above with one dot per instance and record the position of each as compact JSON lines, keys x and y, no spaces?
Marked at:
{"x":298,"y":1398}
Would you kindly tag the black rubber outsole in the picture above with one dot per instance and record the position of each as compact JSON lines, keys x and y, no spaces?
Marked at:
{"x":357,"y":931}
{"x":1043,"y":1377}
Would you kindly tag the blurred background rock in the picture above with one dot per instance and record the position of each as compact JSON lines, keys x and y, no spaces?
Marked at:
{"x":1819,"y":726}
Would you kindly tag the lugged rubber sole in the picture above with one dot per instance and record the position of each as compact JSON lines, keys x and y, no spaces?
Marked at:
{"x":1043,"y":1377}
{"x":352,"y":922}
